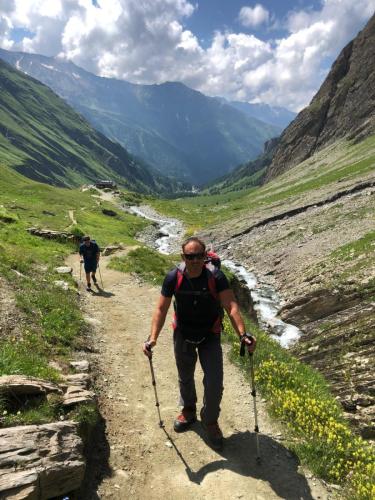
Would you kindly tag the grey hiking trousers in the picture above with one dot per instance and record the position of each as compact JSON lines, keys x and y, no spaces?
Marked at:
{"x":211,"y":360}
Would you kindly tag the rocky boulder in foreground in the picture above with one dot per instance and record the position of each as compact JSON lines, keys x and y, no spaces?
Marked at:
{"x":40,"y":461}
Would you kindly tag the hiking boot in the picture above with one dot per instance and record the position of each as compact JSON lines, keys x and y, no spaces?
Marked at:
{"x":214,"y":434}
{"x":88,"y":288}
{"x":185,"y":419}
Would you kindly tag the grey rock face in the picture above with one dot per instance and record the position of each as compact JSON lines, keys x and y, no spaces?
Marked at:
{"x":21,"y":385}
{"x":343,"y":107}
{"x":110,"y":249}
{"x":40,"y":461}
{"x":80,"y":366}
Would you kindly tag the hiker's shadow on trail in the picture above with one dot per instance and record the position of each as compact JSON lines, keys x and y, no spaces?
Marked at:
{"x":100,"y":292}
{"x":278,"y":466}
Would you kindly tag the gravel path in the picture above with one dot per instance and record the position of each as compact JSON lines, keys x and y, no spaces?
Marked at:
{"x":139,"y":459}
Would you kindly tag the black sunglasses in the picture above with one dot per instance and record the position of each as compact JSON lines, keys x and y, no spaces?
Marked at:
{"x":192,"y":256}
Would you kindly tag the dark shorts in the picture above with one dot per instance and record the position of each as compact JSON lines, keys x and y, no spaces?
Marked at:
{"x":90,"y":267}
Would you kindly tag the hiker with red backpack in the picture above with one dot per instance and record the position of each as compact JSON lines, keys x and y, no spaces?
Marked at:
{"x":201,"y":293}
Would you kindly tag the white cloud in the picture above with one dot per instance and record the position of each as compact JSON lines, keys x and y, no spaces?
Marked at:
{"x":146,"y":42}
{"x":253,"y":16}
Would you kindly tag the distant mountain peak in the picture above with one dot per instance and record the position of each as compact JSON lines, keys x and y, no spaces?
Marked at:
{"x":275,"y":115}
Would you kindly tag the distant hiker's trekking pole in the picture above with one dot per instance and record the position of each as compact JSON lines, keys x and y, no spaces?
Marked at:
{"x":253,"y":393}
{"x":100,"y":274}
{"x":80,"y":270}
{"x":148,"y":347}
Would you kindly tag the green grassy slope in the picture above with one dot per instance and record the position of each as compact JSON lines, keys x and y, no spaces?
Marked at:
{"x":32,"y":203}
{"x":39,"y":321}
{"x":245,"y":176}
{"x":330,"y":170}
{"x":44,"y":139}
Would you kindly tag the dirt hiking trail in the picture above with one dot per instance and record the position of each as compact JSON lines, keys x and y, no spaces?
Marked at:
{"x":139,"y":460}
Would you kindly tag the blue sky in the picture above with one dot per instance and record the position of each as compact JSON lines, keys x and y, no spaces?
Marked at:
{"x":277,"y":52}
{"x":213,"y":15}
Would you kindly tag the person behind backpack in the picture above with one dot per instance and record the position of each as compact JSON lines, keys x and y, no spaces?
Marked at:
{"x":201,"y":293}
{"x":89,"y":254}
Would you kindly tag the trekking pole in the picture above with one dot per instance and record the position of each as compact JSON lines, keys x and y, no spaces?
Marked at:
{"x":80,"y":271}
{"x":253,"y":393}
{"x":161,"y":424}
{"x":100,"y":274}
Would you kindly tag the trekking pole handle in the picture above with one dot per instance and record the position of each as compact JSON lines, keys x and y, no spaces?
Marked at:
{"x":148,"y":347}
{"x":243,"y":343}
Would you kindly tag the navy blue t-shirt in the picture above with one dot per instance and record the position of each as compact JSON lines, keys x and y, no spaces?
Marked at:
{"x":195,"y":306}
{"x":89,"y":252}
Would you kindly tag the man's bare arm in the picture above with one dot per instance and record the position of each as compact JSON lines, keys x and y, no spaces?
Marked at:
{"x":158,"y":318}
{"x":230,"y":304}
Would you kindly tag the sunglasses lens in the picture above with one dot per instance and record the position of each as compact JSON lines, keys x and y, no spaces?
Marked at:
{"x":192,"y":256}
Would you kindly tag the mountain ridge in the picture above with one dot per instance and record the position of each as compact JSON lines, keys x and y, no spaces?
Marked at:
{"x":174,"y":128}
{"x":275,"y":115}
{"x":44,"y":139}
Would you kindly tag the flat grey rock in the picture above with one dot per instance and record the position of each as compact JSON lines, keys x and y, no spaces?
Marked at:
{"x":40,"y":461}
{"x":80,"y":366}
{"x":64,"y":270}
{"x":22,"y":385}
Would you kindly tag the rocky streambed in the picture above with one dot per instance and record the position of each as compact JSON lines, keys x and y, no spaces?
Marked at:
{"x":165,"y":234}
{"x":321,"y":260}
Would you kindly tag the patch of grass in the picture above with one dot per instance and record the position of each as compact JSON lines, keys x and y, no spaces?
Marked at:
{"x":299,"y":397}
{"x":6,"y":217}
{"x":35,"y":411}
{"x":87,"y":416}
{"x":77,"y":231}
{"x":146,"y":263}
{"x":25,"y":358}
{"x":327,"y":325}
{"x":362,"y":247}
{"x":39,"y":410}
{"x":53,"y":311}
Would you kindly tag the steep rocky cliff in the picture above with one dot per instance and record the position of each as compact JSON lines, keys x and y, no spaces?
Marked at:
{"x":343,"y":107}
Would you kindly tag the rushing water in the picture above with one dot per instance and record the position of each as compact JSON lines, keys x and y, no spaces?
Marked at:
{"x":266,"y":304}
{"x":170,"y":231}
{"x":265,"y":298}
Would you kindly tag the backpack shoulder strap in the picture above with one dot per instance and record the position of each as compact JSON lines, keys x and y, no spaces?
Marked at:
{"x":211,"y":274}
{"x":180,"y":269}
